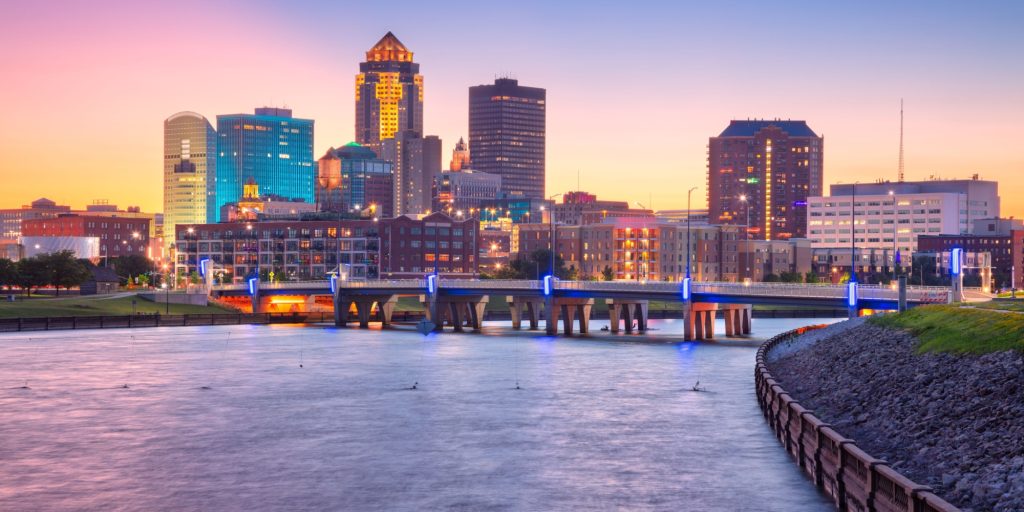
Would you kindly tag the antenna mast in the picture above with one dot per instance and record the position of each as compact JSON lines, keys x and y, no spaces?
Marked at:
{"x":901,"y":140}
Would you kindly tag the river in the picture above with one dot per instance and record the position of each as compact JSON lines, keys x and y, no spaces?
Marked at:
{"x":299,"y":418}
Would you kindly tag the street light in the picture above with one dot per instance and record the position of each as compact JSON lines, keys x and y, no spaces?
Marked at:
{"x":895,"y":220}
{"x":551,"y":220}
{"x":688,"y":211}
{"x":746,"y":237}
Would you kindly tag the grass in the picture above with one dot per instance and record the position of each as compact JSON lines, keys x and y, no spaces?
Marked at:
{"x":951,"y":328}
{"x":94,"y":306}
{"x":1002,"y":305}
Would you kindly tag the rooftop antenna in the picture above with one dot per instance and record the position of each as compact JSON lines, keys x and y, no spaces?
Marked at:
{"x":901,"y":140}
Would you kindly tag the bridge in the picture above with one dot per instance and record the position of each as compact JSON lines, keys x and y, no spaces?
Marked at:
{"x":460,"y":303}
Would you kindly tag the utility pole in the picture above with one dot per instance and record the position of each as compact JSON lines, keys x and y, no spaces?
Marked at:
{"x":901,"y":141}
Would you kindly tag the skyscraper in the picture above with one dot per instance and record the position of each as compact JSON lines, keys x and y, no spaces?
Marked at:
{"x":389,"y":93}
{"x":190,"y":163}
{"x":506,"y":135}
{"x":271,"y":147}
{"x":765,"y":169}
{"x":417,"y":162}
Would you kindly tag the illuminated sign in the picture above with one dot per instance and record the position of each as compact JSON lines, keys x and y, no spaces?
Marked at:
{"x":955,"y":260}
{"x":431,"y":284}
{"x":686,"y":288}
{"x":549,"y":285}
{"x":851,"y":294}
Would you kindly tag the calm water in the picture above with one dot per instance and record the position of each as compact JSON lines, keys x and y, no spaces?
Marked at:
{"x":597,"y":424}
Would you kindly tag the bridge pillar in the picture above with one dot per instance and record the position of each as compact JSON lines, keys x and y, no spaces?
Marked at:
{"x":737,"y":318}
{"x":569,"y":309}
{"x":529,"y":305}
{"x":458,"y":311}
{"x":699,"y":321}
{"x":364,"y":308}
{"x":627,"y":310}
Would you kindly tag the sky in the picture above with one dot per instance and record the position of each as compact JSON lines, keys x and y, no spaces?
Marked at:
{"x":634,"y":89}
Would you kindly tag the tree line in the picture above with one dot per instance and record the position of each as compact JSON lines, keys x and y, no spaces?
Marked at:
{"x":63,"y":270}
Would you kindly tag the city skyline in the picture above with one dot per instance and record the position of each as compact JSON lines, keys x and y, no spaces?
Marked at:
{"x":955,"y":68}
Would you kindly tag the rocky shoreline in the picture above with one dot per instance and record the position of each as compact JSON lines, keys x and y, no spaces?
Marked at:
{"x":952,"y":422}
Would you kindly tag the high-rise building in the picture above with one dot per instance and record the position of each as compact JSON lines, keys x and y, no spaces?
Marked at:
{"x":389,"y":93}
{"x":506,"y":135}
{"x":352,"y":177}
{"x":271,"y":147}
{"x":190,"y":168}
{"x":765,"y":169}
{"x":417,"y":161}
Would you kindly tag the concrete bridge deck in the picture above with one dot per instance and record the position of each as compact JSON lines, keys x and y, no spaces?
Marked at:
{"x":460,"y":302}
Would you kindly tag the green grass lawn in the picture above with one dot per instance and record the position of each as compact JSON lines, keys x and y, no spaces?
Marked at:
{"x":93,"y":306}
{"x":1001,"y":305}
{"x":951,"y":328}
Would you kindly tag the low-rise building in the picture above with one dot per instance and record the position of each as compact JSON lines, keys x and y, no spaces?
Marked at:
{"x":116,"y":235}
{"x":413,"y":246}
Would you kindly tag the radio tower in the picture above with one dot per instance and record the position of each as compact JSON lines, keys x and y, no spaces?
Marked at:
{"x":901,"y":140}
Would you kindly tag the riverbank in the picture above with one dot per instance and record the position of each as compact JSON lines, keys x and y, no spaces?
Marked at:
{"x":950,"y":420}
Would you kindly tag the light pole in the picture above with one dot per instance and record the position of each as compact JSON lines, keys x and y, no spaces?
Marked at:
{"x":853,"y":235}
{"x":551,"y":220}
{"x":688,"y":212}
{"x":167,"y":292}
{"x":746,"y":238}
{"x":895,"y":220}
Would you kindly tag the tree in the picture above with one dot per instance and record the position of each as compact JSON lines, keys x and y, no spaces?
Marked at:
{"x":131,"y":265}
{"x":811,"y":277}
{"x":791,"y":277}
{"x":770,"y":278}
{"x":32,"y":273}
{"x":607,"y":274}
{"x":8,"y":273}
{"x":64,"y":270}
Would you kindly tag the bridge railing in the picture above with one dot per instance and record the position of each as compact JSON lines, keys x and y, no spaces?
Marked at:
{"x":795,"y":290}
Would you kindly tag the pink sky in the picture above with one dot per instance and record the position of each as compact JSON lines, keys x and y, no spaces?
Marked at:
{"x":632,"y":98}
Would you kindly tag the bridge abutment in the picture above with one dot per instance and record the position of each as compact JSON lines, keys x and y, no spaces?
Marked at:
{"x":364,"y":308}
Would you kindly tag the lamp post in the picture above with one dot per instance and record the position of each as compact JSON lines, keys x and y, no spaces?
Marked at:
{"x":746,"y":238}
{"x":688,"y":211}
{"x":853,"y":235}
{"x":895,"y":220}
{"x":551,"y":220}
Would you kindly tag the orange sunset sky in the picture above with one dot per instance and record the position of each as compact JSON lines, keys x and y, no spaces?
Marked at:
{"x":634,"y":91}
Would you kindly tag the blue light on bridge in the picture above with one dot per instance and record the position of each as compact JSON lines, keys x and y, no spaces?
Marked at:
{"x":334,"y":284}
{"x":955,"y":261}
{"x":202,"y":266}
{"x":253,"y":284}
{"x":549,"y":285}
{"x":686,"y":288}
{"x":431,"y":284}
{"x":851,"y":294}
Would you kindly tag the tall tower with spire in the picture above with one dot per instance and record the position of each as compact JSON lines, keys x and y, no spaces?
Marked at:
{"x":389,"y":94}
{"x":460,"y":156}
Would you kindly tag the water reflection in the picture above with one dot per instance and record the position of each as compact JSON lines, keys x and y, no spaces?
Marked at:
{"x":595,"y":425}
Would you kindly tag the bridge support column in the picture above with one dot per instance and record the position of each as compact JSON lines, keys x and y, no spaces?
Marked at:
{"x":529,"y":305}
{"x":568,"y":308}
{"x":364,"y":308}
{"x":627,"y":310}
{"x":737,"y":319}
{"x":458,"y":311}
{"x":699,"y":321}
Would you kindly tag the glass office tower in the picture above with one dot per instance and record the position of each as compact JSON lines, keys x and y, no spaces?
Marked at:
{"x":271,"y":147}
{"x":190,"y":147}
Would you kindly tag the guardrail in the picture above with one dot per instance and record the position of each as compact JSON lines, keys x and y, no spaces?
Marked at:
{"x":853,"y":479}
{"x":158,"y":320}
{"x":918,"y":294}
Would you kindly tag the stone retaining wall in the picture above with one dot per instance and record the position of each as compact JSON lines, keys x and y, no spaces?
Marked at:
{"x":854,"y":480}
